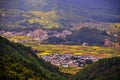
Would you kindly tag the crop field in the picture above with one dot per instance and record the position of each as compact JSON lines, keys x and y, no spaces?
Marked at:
{"x":47,"y":49}
{"x":16,"y":38}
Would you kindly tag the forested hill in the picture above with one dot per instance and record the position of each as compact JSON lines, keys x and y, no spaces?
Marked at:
{"x":56,"y":13}
{"x":105,"y":69}
{"x":18,"y":62}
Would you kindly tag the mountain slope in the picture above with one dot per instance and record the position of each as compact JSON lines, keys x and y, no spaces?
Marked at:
{"x":68,"y":12}
{"x":39,"y":4}
{"x":105,"y":69}
{"x":20,"y":62}
{"x":21,"y":20}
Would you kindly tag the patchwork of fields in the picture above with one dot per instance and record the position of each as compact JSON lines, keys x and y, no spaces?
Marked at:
{"x":75,"y":50}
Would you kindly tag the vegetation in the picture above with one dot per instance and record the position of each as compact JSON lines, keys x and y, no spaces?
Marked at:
{"x":55,"y":40}
{"x":115,"y":30}
{"x":54,"y":14}
{"x":46,"y":19}
{"x":91,"y":36}
{"x":20,"y":62}
{"x":75,"y":50}
{"x":70,"y":70}
{"x":89,"y":22}
{"x":16,"y":38}
{"x":105,"y":69}
{"x":88,"y":35}
{"x":18,"y":20}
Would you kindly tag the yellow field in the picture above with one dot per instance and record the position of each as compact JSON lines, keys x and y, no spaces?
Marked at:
{"x":75,"y":50}
{"x":16,"y":38}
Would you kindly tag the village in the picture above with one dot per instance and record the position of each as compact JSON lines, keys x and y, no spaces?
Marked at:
{"x":38,"y":35}
{"x":68,"y":60}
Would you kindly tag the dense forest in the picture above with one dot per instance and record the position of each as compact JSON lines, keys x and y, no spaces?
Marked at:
{"x":18,"y":62}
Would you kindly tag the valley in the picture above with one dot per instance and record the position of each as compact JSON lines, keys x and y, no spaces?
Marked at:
{"x":53,"y":42}
{"x":59,"y":40}
{"x":53,"y":52}
{"x":23,"y":56}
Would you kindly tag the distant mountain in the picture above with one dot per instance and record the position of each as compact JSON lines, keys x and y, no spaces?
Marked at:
{"x":21,"y":63}
{"x":105,"y":4}
{"x":22,"y":4}
{"x":68,"y":12}
{"x":39,"y":4}
{"x":105,"y":69}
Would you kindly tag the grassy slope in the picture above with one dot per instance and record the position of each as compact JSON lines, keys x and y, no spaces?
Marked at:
{"x":20,"y":62}
{"x":105,"y":69}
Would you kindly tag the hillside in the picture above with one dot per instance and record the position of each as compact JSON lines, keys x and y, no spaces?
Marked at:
{"x":56,"y":13}
{"x":18,"y":20}
{"x":87,"y":35}
{"x":105,"y":69}
{"x":91,"y":36}
{"x":38,"y":28}
{"x":36,"y":4}
{"x":18,"y":62}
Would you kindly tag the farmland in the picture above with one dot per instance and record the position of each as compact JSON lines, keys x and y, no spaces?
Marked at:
{"x":47,"y":49}
{"x":96,"y":51}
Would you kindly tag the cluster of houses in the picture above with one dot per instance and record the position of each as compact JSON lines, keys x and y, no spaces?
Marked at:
{"x":62,"y":34}
{"x":35,"y":35}
{"x":38,"y":35}
{"x":68,"y":60}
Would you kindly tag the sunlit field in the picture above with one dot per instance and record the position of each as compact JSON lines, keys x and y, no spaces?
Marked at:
{"x":47,"y":49}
